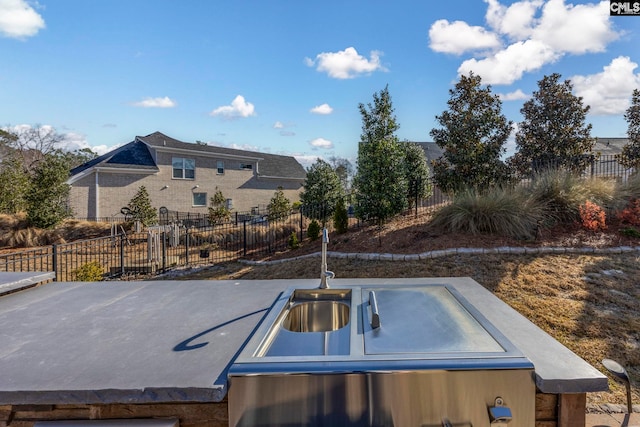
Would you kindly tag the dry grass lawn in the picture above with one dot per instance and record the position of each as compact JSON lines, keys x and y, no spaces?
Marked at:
{"x":588,"y":302}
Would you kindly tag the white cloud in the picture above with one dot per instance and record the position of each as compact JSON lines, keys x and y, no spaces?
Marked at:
{"x":18,"y":19}
{"x":278,"y":125}
{"x":513,"y":96}
{"x":516,"y":21}
{"x":458,"y":37}
{"x":346,"y":64}
{"x":608,"y":92}
{"x":305,"y":160}
{"x":238,"y":108}
{"x":534,"y":33}
{"x":323,"y":109}
{"x":321,"y":143}
{"x":165,"y":102}
{"x":70,"y":141}
{"x":575,"y":29}
{"x":245,"y":147}
{"x":508,"y":65}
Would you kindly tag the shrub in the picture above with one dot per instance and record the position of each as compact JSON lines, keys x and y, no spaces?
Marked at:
{"x":141,"y":209}
{"x":218,"y":211}
{"x":592,"y":216}
{"x":89,"y":272}
{"x":341,"y":218}
{"x":313,"y":231}
{"x":498,"y":211}
{"x":293,"y":241}
{"x":628,"y":190}
{"x":561,"y":193}
{"x":630,"y":232}
{"x":631,"y":213}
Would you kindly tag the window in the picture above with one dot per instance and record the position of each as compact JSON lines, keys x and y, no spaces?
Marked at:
{"x":247,"y":166}
{"x":220,"y":166}
{"x":199,"y":199}
{"x":183,"y":168}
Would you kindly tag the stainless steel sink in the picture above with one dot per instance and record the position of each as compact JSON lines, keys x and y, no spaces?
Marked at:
{"x":317,"y":316}
{"x":311,"y":322}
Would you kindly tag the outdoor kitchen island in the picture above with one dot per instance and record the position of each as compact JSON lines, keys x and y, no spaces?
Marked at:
{"x":163,"y":349}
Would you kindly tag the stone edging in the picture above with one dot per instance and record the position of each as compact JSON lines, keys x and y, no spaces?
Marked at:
{"x":453,"y":251}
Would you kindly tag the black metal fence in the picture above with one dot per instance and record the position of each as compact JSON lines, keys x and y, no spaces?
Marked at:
{"x":162,"y":248}
{"x":188,"y":239}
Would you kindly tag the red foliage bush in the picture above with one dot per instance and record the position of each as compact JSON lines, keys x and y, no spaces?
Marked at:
{"x":592,"y":216}
{"x":630,"y":214}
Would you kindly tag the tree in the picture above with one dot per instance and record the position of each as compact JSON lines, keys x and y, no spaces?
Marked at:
{"x":279,"y":206}
{"x":7,"y":140}
{"x":218,"y":211}
{"x":344,"y":170}
{"x":553,"y":132}
{"x":380,"y":182}
{"x":34,"y":143}
{"x":15,"y":183}
{"x":473,"y":137}
{"x":341,"y":218}
{"x":322,"y":190}
{"x":78,"y":157}
{"x":631,"y":152}
{"x":416,"y":173}
{"x":141,"y":208}
{"x":48,"y":192}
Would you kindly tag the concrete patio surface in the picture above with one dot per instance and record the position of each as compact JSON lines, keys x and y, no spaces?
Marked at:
{"x":613,"y":420}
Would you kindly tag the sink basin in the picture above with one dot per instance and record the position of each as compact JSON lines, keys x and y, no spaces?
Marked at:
{"x":317,"y":316}
{"x":312,"y":322}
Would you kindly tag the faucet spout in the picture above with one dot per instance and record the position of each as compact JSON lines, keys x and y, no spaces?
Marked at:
{"x":325,"y":275}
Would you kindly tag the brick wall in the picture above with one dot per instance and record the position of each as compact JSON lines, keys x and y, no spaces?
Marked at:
{"x":189,"y":414}
{"x":115,"y":190}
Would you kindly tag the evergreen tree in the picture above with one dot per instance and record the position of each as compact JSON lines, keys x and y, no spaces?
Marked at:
{"x":14,"y":185}
{"x":416,"y":173}
{"x":218,"y":211}
{"x":279,"y":206}
{"x":553,"y":132}
{"x":631,"y":152}
{"x":380,"y":183}
{"x":473,"y":137}
{"x":322,"y":189}
{"x":341,"y":218}
{"x":141,"y":208}
{"x":48,"y":192}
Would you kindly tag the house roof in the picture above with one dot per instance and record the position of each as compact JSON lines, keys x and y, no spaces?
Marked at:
{"x":132,"y":155}
{"x":431,"y":150}
{"x":604,"y":146}
{"x":609,"y":146}
{"x":137,"y":155}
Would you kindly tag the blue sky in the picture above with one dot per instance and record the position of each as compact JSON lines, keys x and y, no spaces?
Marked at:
{"x":286,"y":76}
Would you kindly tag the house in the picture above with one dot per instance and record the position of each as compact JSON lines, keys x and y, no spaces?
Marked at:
{"x":180,"y":176}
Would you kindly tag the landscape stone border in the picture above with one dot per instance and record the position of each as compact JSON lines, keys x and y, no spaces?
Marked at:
{"x":453,"y":251}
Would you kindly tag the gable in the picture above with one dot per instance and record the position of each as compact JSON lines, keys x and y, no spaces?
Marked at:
{"x":132,"y":155}
{"x":268,"y":165}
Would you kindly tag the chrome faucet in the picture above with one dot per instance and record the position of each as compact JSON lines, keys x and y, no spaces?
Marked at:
{"x":325,"y":274}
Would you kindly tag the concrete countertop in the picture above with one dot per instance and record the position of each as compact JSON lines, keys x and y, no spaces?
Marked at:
{"x":13,"y":282}
{"x":172,"y":341}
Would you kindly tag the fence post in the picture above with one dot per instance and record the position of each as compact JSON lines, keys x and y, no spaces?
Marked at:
{"x":122,"y":237}
{"x":54,"y":252}
{"x":244,"y":238}
{"x":301,"y":225}
{"x":186,"y":246}
{"x":163,"y":236}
